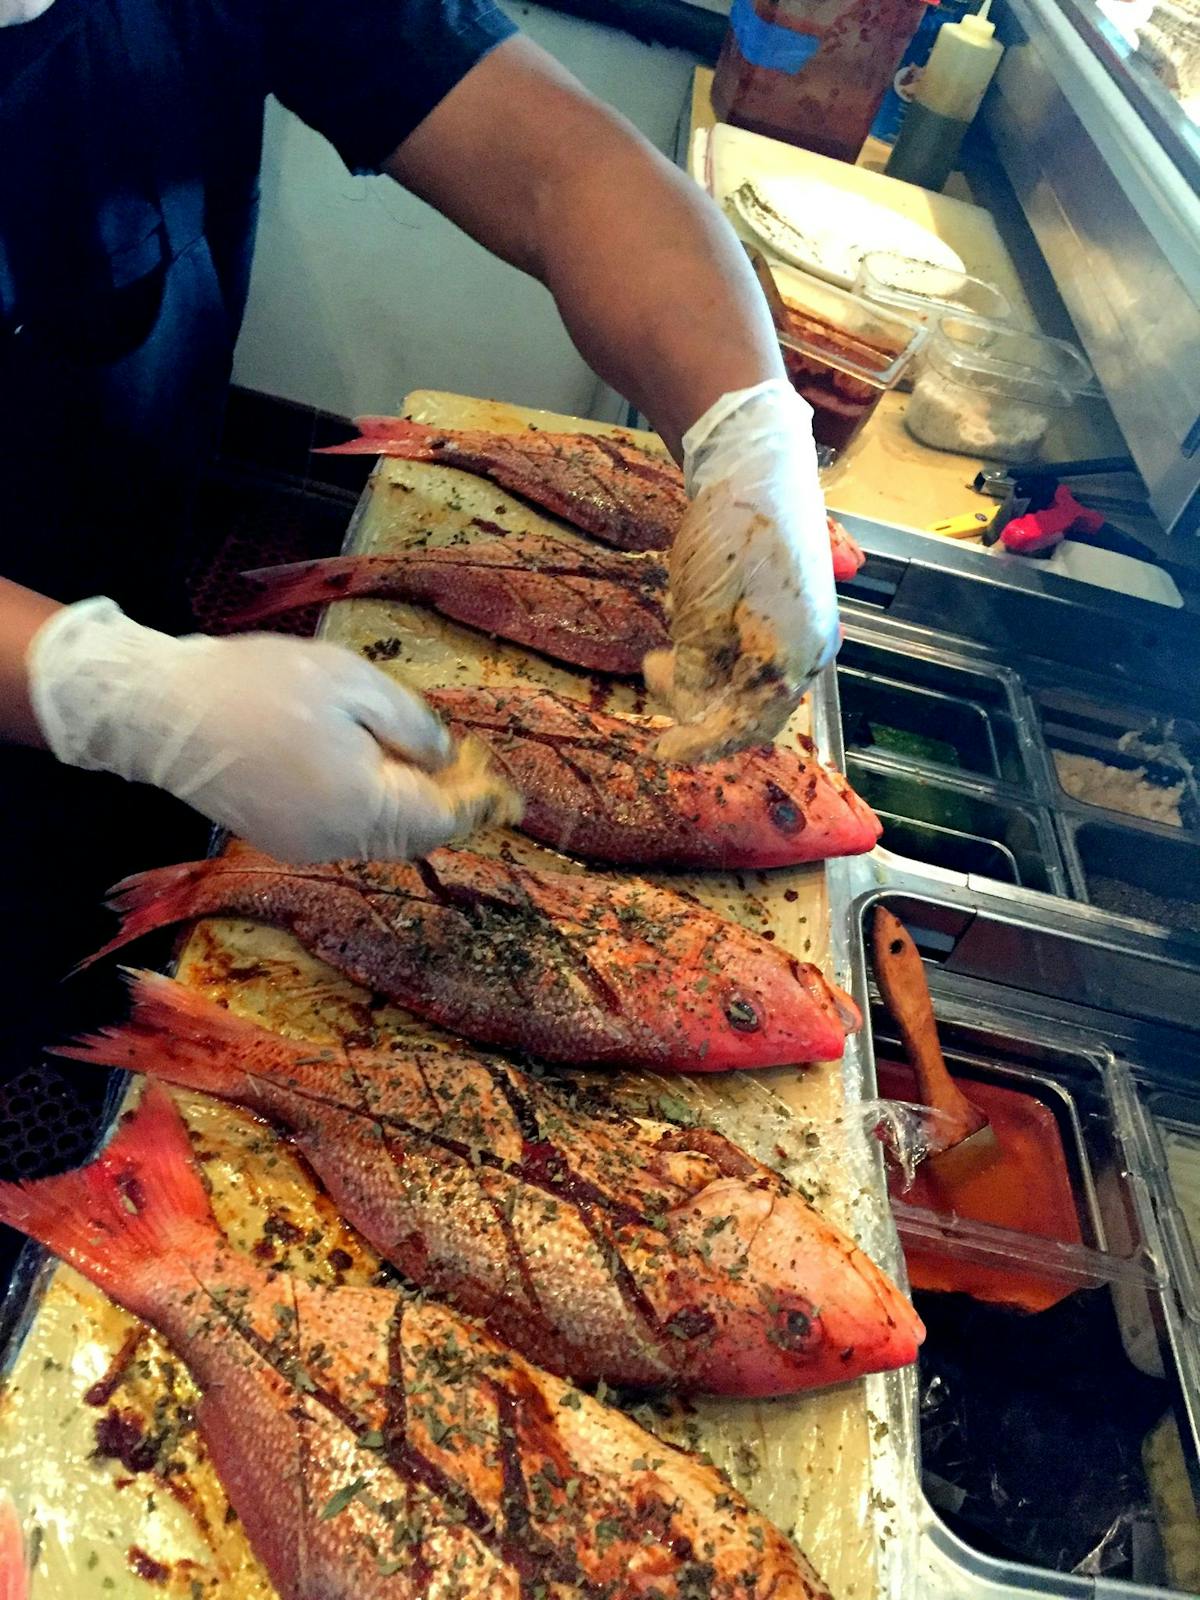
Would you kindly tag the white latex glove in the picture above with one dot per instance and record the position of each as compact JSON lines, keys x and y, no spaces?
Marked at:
{"x":753,"y":608}
{"x":299,"y":747}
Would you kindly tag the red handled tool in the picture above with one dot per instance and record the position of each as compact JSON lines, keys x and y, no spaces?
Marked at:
{"x":1042,"y":530}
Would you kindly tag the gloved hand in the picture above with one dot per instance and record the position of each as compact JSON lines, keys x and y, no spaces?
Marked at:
{"x":753,"y":608}
{"x":299,"y":747}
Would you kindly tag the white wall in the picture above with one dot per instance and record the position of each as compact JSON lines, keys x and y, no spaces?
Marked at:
{"x":360,"y":292}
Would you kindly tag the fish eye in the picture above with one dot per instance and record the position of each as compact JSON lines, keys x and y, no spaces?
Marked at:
{"x":742,"y":1015}
{"x":798,"y":1328}
{"x":784,"y":815}
{"x":783,"y":810}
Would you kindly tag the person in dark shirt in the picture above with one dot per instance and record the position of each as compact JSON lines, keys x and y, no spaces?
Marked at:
{"x":130,"y":142}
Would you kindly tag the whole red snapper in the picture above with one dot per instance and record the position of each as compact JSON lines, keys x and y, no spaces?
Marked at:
{"x":387,"y":1448}
{"x":568,"y":966}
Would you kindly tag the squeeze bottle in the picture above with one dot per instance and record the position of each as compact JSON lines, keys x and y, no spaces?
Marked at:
{"x":965,"y":55}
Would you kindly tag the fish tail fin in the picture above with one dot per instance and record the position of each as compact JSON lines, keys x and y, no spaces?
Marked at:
{"x":387,"y":436}
{"x":139,"y":1203}
{"x":14,"y":1575}
{"x":302,"y":583}
{"x":177,"y":1035}
{"x":155,"y":899}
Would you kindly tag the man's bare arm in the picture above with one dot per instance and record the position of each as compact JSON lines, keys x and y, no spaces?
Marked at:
{"x":22,"y":613}
{"x":649,"y":279}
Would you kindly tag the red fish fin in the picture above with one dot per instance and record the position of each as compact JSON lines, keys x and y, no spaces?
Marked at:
{"x":848,"y":554}
{"x":177,"y":1035}
{"x":387,"y":436}
{"x":157,"y":898}
{"x":14,"y":1576}
{"x":304,"y":583}
{"x":116,"y":1220}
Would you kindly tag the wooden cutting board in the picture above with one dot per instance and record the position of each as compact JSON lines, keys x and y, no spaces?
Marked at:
{"x":818,"y":1465}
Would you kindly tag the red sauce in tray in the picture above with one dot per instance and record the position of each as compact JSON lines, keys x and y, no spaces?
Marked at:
{"x":1026,"y":1187}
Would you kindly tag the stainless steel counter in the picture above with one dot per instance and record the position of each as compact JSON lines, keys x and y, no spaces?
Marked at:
{"x":1029,"y":980}
{"x":1108,"y":174}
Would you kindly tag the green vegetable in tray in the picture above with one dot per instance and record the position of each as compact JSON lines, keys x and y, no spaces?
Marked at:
{"x":918,"y":746}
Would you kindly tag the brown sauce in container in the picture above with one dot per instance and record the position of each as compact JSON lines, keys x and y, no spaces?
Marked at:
{"x":842,"y":404}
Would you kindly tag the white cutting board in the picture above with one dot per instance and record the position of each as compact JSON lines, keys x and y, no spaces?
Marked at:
{"x":1107,"y":570}
{"x":723,"y":157}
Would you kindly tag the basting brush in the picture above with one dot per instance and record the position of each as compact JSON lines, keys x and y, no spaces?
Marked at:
{"x":961,"y":1138}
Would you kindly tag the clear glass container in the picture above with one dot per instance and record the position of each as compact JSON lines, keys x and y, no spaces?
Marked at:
{"x":812,"y":72}
{"x":989,"y":390}
{"x":841,"y":352}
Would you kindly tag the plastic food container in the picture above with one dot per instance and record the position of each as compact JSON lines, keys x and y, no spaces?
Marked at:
{"x":841,"y":352}
{"x":927,"y":293}
{"x":812,"y":72}
{"x":985,"y":389}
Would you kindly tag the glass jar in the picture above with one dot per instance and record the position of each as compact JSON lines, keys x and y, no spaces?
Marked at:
{"x":811,"y":72}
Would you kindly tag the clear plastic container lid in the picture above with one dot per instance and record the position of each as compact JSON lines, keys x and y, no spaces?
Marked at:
{"x":925,"y":290}
{"x":993,"y":358}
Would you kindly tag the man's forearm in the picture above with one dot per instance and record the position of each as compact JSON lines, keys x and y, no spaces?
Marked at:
{"x":649,"y":278}
{"x":22,"y":613}
{"x":654,"y":288}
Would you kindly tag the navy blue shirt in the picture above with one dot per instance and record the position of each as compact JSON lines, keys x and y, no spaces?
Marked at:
{"x":130,"y":144}
{"x":362,"y":72}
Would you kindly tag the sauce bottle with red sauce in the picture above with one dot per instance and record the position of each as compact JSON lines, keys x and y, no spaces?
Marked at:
{"x":812,"y":72}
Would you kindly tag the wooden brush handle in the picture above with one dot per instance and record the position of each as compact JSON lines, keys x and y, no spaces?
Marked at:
{"x":900,"y":973}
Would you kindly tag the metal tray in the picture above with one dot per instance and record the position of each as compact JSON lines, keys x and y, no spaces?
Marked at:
{"x":1078,"y":725}
{"x":895,"y":702}
{"x":1136,"y":871}
{"x":1073,"y":1087}
{"x":961,"y":828}
{"x":1000,"y":1009}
